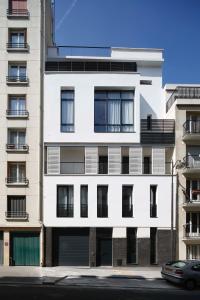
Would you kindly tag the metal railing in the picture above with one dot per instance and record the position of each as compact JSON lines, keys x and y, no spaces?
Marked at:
{"x":191,"y":127}
{"x":18,"y":113}
{"x":153,"y":210}
{"x":22,"y":79}
{"x":16,"y":215}
{"x":191,"y":230}
{"x":72,"y":168}
{"x":21,"y":46}
{"x":65,"y":210}
{"x":183,"y":92}
{"x":18,"y":12}
{"x":127,"y":211}
{"x":20,"y":147}
{"x":102,"y":211}
{"x":17,"y":180}
{"x":84,"y":210}
{"x":192,"y":161}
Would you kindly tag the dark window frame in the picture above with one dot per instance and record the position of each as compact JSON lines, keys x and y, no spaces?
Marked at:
{"x":71,"y":214}
{"x":82,"y":215}
{"x":127,"y":214}
{"x":67,"y":100}
{"x":100,"y":214}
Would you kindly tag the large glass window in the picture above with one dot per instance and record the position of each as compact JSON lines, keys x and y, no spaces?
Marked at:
{"x":65,"y":201}
{"x":113,"y":111}
{"x":84,"y":201}
{"x":102,"y":201}
{"x":16,"y":207}
{"x":127,"y":205}
{"x":67,"y":111}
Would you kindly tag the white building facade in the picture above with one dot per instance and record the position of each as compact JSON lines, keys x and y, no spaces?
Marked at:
{"x":107,"y":160}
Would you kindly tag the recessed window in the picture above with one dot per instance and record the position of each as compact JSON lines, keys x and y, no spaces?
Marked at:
{"x":113,"y":111}
{"x":65,"y":201}
{"x":67,"y":111}
{"x":127,"y":205}
{"x":84,"y":201}
{"x":16,"y":207}
{"x":102,"y":201}
{"x":146,"y":82}
{"x":153,"y":200}
{"x":17,"y":105}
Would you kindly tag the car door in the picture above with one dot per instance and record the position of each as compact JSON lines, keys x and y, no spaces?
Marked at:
{"x":196,"y":272}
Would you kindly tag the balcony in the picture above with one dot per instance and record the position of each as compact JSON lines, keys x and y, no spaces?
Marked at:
{"x":72,"y":168}
{"x":192,"y":166}
{"x":17,"y":80}
{"x":15,"y":181}
{"x":84,"y":210}
{"x":127,"y":211}
{"x":18,"y":13}
{"x":183,"y":92}
{"x":65,"y":211}
{"x":17,"y":47}
{"x":17,"y":114}
{"x":191,"y":132}
{"x":17,"y":148}
{"x":16,"y":215}
{"x":102,"y":211}
{"x":191,"y":232}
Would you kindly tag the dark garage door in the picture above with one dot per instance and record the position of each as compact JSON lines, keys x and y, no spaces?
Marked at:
{"x":71,"y":247}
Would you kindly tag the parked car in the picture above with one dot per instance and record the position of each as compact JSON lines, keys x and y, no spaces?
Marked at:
{"x":184,"y":272}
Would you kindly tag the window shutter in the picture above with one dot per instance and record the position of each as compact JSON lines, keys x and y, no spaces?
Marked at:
{"x":53,"y":160}
{"x":158,"y":161}
{"x":19,"y":4}
{"x":91,"y":160}
{"x":114,"y":160}
{"x":135,"y":160}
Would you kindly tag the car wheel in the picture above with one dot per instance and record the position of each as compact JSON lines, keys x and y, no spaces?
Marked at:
{"x":190,"y":284}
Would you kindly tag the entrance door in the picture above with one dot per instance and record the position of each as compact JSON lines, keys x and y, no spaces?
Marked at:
{"x":25,"y":249}
{"x":1,"y":248}
{"x":105,"y":252}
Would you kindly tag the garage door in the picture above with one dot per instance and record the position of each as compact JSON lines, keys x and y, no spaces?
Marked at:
{"x":71,"y":247}
{"x":1,"y":248}
{"x":25,"y":249}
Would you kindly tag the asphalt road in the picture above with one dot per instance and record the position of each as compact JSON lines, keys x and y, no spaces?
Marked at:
{"x":21,"y":292}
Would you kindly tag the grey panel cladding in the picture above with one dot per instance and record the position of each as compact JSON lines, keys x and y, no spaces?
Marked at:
{"x":119,"y":252}
{"x":143,"y":251}
{"x":163,"y":246}
{"x":92,"y":247}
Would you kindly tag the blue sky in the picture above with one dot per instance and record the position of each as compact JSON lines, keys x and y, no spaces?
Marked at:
{"x":173,"y":25}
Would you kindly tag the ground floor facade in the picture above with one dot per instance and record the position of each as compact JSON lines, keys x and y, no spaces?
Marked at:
{"x":106,"y":246}
{"x":21,"y":246}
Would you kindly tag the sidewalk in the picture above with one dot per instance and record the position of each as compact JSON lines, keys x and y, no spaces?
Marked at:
{"x":75,"y":275}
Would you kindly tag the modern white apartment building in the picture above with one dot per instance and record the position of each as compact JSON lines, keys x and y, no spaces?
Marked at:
{"x":107,"y":159}
{"x":21,"y":63}
{"x":183,"y":105}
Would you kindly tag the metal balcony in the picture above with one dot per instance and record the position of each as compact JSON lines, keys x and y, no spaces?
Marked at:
{"x":22,"y":215}
{"x":23,"y":47}
{"x":191,"y":132}
{"x":18,"y":13}
{"x":191,"y":231}
{"x":17,"y":181}
{"x":192,"y":166}
{"x":17,"y":148}
{"x":19,"y":80}
{"x":22,"y":114}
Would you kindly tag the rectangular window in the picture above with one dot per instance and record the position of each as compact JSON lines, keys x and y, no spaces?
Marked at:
{"x":17,"y":4}
{"x":102,"y":201}
{"x":113,"y":111}
{"x":153,"y":204}
{"x":17,"y":137}
{"x":16,"y":207}
{"x":193,"y":251}
{"x":16,"y":172}
{"x":65,"y":201}
{"x":84,"y":201}
{"x":17,"y":38}
{"x":147,"y":165}
{"x":153,"y":245}
{"x":127,"y":205}
{"x":67,"y":111}
{"x":16,"y":105}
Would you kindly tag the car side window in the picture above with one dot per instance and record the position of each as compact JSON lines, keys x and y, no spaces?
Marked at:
{"x":196,"y":268}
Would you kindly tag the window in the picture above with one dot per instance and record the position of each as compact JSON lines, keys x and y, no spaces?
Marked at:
{"x":127,"y":205}
{"x":16,"y":105}
{"x":192,"y":224}
{"x":102,"y":201}
{"x":146,"y":82}
{"x":65,"y":201}
{"x":103,"y":160}
{"x":17,"y":38}
{"x":153,"y":205}
{"x":16,"y":172}
{"x":16,"y":137}
{"x":67,"y":111}
{"x":16,"y":207}
{"x":149,"y":122}
{"x":153,"y":245}
{"x":17,"y":72}
{"x":17,"y":4}
{"x":147,"y":165}
{"x":193,"y":190}
{"x":113,"y":111}
{"x":193,"y":251}
{"x":84,"y":201}
{"x":125,"y":160}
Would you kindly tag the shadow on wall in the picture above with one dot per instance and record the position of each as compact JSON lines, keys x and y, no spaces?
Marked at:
{"x":146,"y":109}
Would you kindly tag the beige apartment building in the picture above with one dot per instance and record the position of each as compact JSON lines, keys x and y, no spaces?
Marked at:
{"x":184,"y":106}
{"x":21,"y":78}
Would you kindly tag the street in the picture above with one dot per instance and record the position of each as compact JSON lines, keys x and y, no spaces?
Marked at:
{"x":79,"y":293}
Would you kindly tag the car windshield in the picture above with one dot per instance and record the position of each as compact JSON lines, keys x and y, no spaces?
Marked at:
{"x":177,"y":264}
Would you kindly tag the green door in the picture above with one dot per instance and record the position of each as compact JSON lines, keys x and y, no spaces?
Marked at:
{"x":25,"y":249}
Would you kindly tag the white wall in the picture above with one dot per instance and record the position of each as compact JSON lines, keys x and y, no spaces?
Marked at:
{"x":141,"y":201}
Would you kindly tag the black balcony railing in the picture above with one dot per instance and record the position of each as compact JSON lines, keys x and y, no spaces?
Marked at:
{"x":17,"y":180}
{"x":191,"y":127}
{"x":20,"y":46}
{"x":18,"y":147}
{"x":65,"y":210}
{"x":102,"y":211}
{"x":16,"y":215}
{"x":192,"y":161}
{"x":84,"y":210}
{"x":127,"y":211}
{"x":18,"y":113}
{"x":183,"y":92}
{"x":17,"y":79}
{"x":153,"y":211}
{"x":72,"y":168}
{"x":17,"y":12}
{"x":191,"y":230}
